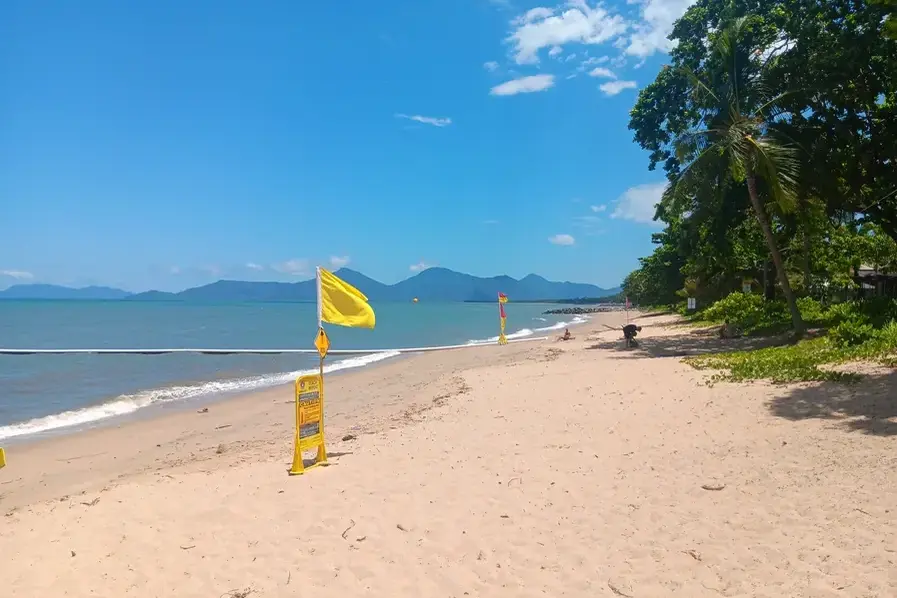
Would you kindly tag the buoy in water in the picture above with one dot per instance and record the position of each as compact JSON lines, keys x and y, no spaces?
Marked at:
{"x":415,"y":300}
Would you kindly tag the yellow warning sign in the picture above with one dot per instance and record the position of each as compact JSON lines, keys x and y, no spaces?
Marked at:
{"x":309,"y":421}
{"x":322,"y":343}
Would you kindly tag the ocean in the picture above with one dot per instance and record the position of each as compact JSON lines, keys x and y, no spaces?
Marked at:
{"x":43,"y":394}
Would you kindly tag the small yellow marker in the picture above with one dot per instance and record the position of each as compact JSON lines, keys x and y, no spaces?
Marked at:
{"x":2,"y":457}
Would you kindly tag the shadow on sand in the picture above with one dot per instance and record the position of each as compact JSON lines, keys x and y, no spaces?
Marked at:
{"x":867,"y":406}
{"x":688,"y":343}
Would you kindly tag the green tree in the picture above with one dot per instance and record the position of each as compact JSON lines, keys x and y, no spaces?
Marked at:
{"x":731,"y":137}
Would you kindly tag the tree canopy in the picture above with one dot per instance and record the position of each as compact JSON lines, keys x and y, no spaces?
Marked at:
{"x":814,"y":80}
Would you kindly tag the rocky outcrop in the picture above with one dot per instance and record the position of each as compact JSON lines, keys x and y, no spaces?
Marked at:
{"x":578,"y":311}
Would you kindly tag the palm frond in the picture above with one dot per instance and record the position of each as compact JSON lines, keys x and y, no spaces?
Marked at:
{"x":779,"y":167}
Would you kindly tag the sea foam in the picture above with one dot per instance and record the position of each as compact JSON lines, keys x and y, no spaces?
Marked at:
{"x":126,"y":404}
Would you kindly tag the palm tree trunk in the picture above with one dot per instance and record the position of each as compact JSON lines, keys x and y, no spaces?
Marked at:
{"x":805,"y":234}
{"x":760,"y":211}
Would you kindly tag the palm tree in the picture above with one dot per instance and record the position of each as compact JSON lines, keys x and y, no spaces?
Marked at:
{"x":737,"y":139}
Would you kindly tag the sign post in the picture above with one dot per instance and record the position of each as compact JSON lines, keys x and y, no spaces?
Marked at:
{"x":310,"y":411}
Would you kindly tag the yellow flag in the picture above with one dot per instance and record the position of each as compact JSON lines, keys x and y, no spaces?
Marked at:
{"x":342,"y":304}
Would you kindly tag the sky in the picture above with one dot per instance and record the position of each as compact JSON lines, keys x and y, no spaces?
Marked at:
{"x":169,"y":144}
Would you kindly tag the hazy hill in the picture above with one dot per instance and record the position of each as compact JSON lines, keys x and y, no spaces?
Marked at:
{"x":52,"y":291}
{"x":433,"y":284}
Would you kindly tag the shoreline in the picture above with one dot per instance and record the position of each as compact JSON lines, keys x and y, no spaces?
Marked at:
{"x":173,"y":421}
{"x":129,"y":410}
{"x":578,"y":468}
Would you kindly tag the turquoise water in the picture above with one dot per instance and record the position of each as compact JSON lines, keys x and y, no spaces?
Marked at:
{"x":46,"y":393}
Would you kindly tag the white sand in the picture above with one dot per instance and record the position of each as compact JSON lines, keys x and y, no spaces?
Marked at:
{"x":545,"y":470}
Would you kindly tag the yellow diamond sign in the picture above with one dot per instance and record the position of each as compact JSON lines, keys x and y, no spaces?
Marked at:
{"x":322,"y":343}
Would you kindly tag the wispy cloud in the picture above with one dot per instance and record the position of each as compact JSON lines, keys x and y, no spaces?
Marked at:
{"x":562,"y":239}
{"x":17,"y":274}
{"x":612,"y":88}
{"x":419,"y":267}
{"x":598,"y":209}
{"x":639,"y":203}
{"x":427,"y":120}
{"x":490,"y":66}
{"x":339,"y":261}
{"x":254,"y":266}
{"x":530,"y":84}
{"x":293,"y":267}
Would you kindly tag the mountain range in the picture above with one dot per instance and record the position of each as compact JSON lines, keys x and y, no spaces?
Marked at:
{"x":433,"y":284}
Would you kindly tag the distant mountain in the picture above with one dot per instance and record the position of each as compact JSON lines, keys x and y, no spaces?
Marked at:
{"x":433,"y":284}
{"x":52,"y":291}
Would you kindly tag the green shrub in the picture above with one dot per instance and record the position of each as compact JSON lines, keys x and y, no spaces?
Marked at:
{"x":737,"y":308}
{"x":852,"y":333}
{"x":812,"y":311}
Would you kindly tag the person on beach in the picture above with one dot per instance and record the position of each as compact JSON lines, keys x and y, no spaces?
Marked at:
{"x":567,"y":336}
{"x":630,"y":331}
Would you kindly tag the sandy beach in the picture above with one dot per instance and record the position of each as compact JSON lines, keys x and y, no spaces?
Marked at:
{"x":540,"y":469}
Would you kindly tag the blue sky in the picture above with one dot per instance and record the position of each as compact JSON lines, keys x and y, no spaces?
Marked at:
{"x":169,"y":144}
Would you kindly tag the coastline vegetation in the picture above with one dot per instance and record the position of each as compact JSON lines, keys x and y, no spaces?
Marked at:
{"x":777,"y":132}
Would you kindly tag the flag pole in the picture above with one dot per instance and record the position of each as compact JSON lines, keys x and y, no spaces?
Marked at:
{"x":322,"y":452}
{"x":320,"y":317}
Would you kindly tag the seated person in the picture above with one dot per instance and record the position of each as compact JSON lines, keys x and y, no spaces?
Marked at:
{"x":567,"y":336}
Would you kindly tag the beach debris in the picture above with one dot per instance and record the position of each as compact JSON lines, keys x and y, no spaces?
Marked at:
{"x":349,"y":437}
{"x":361,"y":538}
{"x":91,"y":503}
{"x":519,"y":481}
{"x":188,"y":547}
{"x":505,"y":516}
{"x":238,"y":593}
{"x":222,"y":427}
{"x":693,"y":554}
{"x":221,"y":448}
{"x":289,"y":577}
{"x":713,"y":487}
{"x":203,"y":410}
{"x":616,"y":590}
{"x":399,"y":526}
{"x":73,"y":553}
{"x":351,"y":525}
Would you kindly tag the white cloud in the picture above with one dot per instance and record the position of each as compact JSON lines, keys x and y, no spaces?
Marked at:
{"x":656,"y":23}
{"x":639,"y":203}
{"x":523,"y":85}
{"x":600,"y":71}
{"x":254,"y":266}
{"x":338,"y":262}
{"x":599,"y":209}
{"x":419,"y":267}
{"x":562,"y":239}
{"x":17,"y":274}
{"x":555,"y":50}
{"x":545,"y":28}
{"x":490,"y":66}
{"x":612,"y":88}
{"x":293,"y":267}
{"x":427,"y":120}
